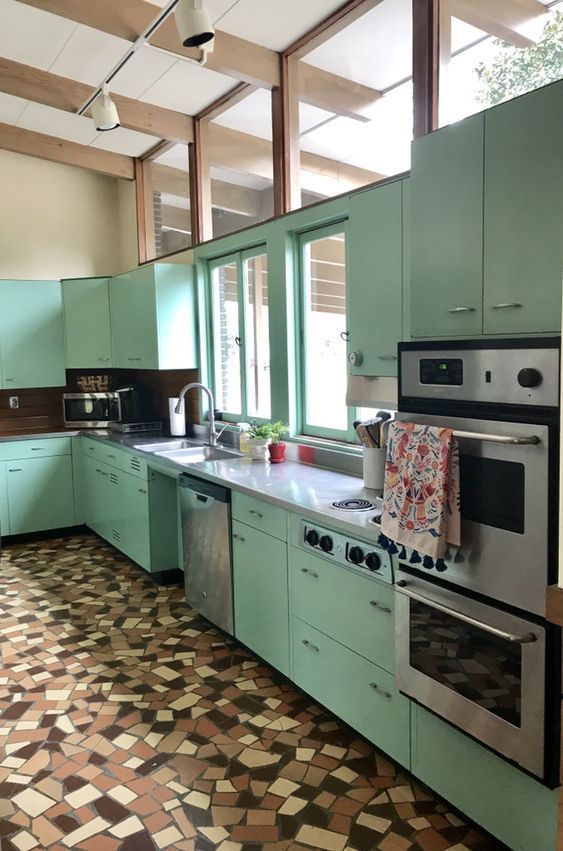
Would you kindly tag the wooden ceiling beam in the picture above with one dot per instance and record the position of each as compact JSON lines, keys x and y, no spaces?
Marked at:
{"x":335,"y":94}
{"x":499,"y":18}
{"x":225,"y":196}
{"x":57,"y":150}
{"x":30,"y":83}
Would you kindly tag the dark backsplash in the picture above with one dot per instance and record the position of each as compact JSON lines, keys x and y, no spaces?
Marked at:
{"x":41,"y":409}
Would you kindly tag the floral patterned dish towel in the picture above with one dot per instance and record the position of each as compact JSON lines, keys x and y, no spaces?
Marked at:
{"x":421,"y":492}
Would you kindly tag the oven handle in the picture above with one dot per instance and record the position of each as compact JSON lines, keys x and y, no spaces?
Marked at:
{"x":533,"y":440}
{"x":500,"y":633}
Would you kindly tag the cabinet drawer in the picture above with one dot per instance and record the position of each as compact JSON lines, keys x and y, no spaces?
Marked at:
{"x":136,"y":465}
{"x":4,"y":518}
{"x":109,"y":454}
{"x":35,"y":448}
{"x":268,"y":518}
{"x":90,"y":448}
{"x":360,"y":693}
{"x":356,"y":611}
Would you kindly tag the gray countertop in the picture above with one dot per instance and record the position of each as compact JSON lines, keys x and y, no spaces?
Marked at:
{"x":302,"y":488}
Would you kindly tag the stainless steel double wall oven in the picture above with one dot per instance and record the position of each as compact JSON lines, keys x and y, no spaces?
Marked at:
{"x":472,"y":641}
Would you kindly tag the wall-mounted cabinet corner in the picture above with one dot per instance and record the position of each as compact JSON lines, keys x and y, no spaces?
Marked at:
{"x":87,"y":323}
{"x":153,"y":318}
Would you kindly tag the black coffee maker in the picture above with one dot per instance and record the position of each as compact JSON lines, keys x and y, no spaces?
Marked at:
{"x":137,"y":404}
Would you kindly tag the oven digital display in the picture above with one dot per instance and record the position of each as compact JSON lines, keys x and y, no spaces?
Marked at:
{"x":441,"y":371}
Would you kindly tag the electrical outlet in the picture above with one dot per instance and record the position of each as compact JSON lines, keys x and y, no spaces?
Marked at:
{"x":14,"y":402}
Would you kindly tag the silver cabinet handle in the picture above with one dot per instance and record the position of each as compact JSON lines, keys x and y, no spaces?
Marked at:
{"x":37,"y":448}
{"x":11,"y":379}
{"x":310,"y":572}
{"x":461,"y":309}
{"x":504,"y":304}
{"x":380,"y":691}
{"x":256,"y":514}
{"x":528,"y":638}
{"x":311,"y":646}
{"x":103,"y":359}
{"x":142,"y":490}
{"x":102,"y":472}
{"x":136,"y":359}
{"x":388,"y":357}
{"x":15,"y":470}
{"x":239,"y":538}
{"x":378,"y":606}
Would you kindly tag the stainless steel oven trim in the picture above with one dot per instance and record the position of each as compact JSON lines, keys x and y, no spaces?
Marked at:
{"x":524,"y":745}
{"x":115,"y":397}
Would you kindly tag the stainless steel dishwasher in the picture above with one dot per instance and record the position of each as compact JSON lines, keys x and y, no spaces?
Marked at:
{"x":206,"y":534}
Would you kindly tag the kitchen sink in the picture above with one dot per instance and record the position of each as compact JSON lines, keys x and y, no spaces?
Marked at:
{"x":172,"y":445}
{"x":196,"y":454}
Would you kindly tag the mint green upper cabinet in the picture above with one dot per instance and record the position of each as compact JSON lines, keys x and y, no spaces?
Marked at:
{"x":523,"y":213}
{"x":87,"y":326}
{"x":31,"y":334}
{"x":447,"y":231}
{"x":153,"y":318}
{"x":375,"y":279}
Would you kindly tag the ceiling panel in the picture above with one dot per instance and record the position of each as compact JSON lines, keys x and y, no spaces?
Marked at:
{"x":124,"y":141}
{"x":188,"y":88}
{"x":312,"y":116}
{"x":274,"y":24}
{"x":30,"y":35}
{"x":89,"y":55}
{"x":252,"y":115}
{"x":142,"y":71}
{"x":176,"y":157}
{"x":55,"y":122}
{"x":11,"y":108}
{"x":217,"y":8}
{"x":238,"y":178}
{"x":375,"y":50}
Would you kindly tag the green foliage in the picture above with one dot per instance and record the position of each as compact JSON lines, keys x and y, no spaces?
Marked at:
{"x":515,"y":70}
{"x":271,"y":431}
{"x":261,"y":432}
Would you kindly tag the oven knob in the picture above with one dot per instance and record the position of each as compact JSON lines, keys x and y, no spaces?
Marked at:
{"x":530,"y":377}
{"x":373,"y":561}
{"x":312,"y":537}
{"x":356,"y":555}
{"x":326,"y":544}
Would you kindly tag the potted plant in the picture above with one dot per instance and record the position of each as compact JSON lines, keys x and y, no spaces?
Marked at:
{"x":277,"y":448}
{"x":258,"y":439}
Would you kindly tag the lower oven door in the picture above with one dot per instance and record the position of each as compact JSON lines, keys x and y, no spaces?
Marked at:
{"x":478,"y":667}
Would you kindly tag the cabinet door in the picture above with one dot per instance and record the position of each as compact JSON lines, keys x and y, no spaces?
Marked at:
{"x":375,"y":279}
{"x":133,"y":320}
{"x":523,"y":213}
{"x":31,"y":334}
{"x":447,"y":231}
{"x":4,"y":518}
{"x":360,"y":693}
{"x":528,"y":816}
{"x":260,"y":592}
{"x":96,"y":496}
{"x":40,"y":493}
{"x":87,"y":325}
{"x":135,"y":531}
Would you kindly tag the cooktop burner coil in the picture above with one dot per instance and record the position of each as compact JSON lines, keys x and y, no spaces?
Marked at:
{"x":354,"y":505}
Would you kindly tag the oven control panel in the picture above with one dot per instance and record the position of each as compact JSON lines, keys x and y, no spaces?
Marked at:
{"x":365,"y":557}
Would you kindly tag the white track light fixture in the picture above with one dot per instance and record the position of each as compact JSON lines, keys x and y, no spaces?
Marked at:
{"x":194,"y":24}
{"x":104,"y":111}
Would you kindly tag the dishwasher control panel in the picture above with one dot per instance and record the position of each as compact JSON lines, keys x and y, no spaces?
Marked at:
{"x":365,"y":557}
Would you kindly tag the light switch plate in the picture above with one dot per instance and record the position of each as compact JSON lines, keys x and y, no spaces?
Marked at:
{"x":14,"y":402}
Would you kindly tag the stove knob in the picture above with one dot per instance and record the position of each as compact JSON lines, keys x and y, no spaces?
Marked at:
{"x":312,"y":537}
{"x":373,"y":561}
{"x":356,"y":555}
{"x":326,"y":543}
{"x":530,"y":377}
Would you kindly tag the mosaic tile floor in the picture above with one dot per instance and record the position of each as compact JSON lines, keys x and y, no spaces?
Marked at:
{"x":128,"y":724}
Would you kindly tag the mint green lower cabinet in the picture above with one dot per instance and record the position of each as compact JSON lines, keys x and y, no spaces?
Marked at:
{"x":260,"y":594}
{"x":4,"y":518}
{"x":135,"y":529}
{"x":360,"y":693}
{"x":40,"y":493}
{"x":505,"y":801}
{"x":96,"y":493}
{"x":356,"y":611}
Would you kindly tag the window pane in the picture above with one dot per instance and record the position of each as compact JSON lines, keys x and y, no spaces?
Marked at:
{"x":482,"y":70}
{"x":257,"y":337}
{"x":226,"y":333}
{"x":325,"y":369}
{"x":240,"y":157}
{"x":355,"y":107}
{"x":167,"y":202}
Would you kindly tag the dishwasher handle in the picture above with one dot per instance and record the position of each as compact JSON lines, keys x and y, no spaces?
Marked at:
{"x":203,"y":490}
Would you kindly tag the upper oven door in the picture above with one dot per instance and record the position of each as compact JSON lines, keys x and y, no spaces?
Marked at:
{"x":504,"y":511}
{"x":480,"y":668}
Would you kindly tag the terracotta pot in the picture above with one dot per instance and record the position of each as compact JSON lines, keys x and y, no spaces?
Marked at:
{"x":277,"y":452}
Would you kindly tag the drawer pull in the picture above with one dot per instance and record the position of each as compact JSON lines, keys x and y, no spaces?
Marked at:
{"x":461,"y":310}
{"x":310,"y":572}
{"x":380,"y":691}
{"x":239,"y":538}
{"x":388,"y":357}
{"x":15,"y":470}
{"x":256,"y":514}
{"x":37,"y":448}
{"x":111,"y":456}
{"x":504,"y":304}
{"x":103,"y":359}
{"x":311,"y":646}
{"x":135,"y":359}
{"x":11,"y":379}
{"x":142,"y":490}
{"x":381,"y":608}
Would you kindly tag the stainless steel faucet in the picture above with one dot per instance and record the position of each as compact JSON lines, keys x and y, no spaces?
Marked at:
{"x":195,"y":384}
